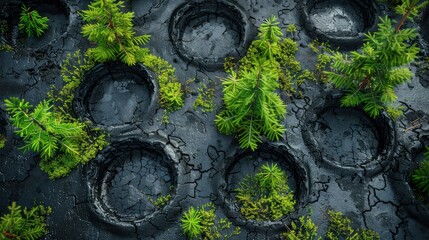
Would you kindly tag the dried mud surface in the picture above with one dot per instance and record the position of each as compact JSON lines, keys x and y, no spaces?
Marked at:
{"x":199,"y":155}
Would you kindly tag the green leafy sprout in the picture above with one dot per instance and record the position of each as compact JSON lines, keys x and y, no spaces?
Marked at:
{"x":23,"y":223}
{"x":31,"y":23}
{"x":265,"y":195}
{"x":201,"y":223}
{"x":370,"y":76}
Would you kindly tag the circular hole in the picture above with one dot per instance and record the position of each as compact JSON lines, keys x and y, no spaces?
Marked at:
{"x":127,"y":179}
{"x":56,"y":10}
{"x":115,"y":94}
{"x":205,"y":33}
{"x":245,"y":163}
{"x":341,"y":23}
{"x":347,"y":138}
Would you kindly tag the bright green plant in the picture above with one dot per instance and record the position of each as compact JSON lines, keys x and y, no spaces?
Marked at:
{"x":3,"y":141}
{"x":305,"y":229}
{"x":161,"y":201}
{"x":201,"y":223}
{"x":31,"y":22}
{"x":63,"y":142}
{"x":420,"y":176}
{"x":265,"y":195}
{"x":368,"y":77}
{"x":339,"y":227}
{"x":252,"y":106}
{"x":170,"y":89}
{"x":291,"y":28}
{"x":21,"y":223}
{"x":205,"y":99}
{"x":112,"y":31}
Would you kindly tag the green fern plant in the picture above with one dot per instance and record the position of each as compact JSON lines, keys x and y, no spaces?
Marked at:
{"x":31,"y":23}
{"x":63,"y":142}
{"x":112,"y":31}
{"x":252,"y":107}
{"x":265,"y":195}
{"x":23,"y":223}
{"x":369,"y":77}
{"x":201,"y":223}
{"x":420,"y":176}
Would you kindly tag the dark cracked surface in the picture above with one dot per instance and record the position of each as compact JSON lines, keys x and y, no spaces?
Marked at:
{"x":198,"y":153}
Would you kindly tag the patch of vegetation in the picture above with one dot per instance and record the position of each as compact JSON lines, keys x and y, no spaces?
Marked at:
{"x":339,"y":227}
{"x":62,"y":141}
{"x":205,"y":99}
{"x":201,"y":223}
{"x":31,"y":23}
{"x":23,"y":223}
{"x":324,"y":52}
{"x":420,"y":176}
{"x":253,"y":108}
{"x":161,"y":201}
{"x":369,"y":76}
{"x":170,"y":89}
{"x":112,"y":31}
{"x":265,"y":195}
{"x":3,"y":141}
{"x":3,"y":31}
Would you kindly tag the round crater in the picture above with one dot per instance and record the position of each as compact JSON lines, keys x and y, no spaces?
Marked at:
{"x":243,"y":163}
{"x":115,"y":94}
{"x":129,"y":176}
{"x":57,"y":11}
{"x":206,"y":32}
{"x":341,"y":23}
{"x":347,"y":138}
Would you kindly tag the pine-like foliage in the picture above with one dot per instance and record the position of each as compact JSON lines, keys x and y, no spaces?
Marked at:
{"x":252,"y":106}
{"x":21,"y":223}
{"x":369,"y":76}
{"x":202,"y":223}
{"x":265,"y":195}
{"x":112,"y":31}
{"x":420,"y":176}
{"x":32,"y":23}
{"x":62,"y":142}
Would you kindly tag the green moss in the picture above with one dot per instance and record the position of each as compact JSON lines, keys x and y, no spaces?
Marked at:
{"x":205,"y":99}
{"x":3,"y":141}
{"x":201,"y":223}
{"x":266,"y":195}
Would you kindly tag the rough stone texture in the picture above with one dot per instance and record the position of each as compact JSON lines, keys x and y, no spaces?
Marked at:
{"x":203,"y":153}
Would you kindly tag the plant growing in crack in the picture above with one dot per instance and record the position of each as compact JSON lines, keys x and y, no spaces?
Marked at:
{"x":31,"y":23}
{"x":23,"y":223}
{"x":201,"y":223}
{"x":3,"y":141}
{"x":368,"y":77}
{"x":339,"y":227}
{"x":265,"y":195}
{"x":112,"y":31}
{"x":62,"y":141}
{"x":420,"y":176}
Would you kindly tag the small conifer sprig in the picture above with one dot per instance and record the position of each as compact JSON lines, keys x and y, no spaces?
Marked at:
{"x":112,"y":31}
{"x":32,"y":23}
{"x":23,"y":223}
{"x":369,"y":76}
{"x":63,"y":143}
{"x":252,"y":107}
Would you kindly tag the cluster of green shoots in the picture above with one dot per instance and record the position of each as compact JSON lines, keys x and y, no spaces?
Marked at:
{"x":339,"y":227}
{"x":201,"y":223}
{"x":420,"y":176}
{"x":31,"y":23}
{"x":369,"y":77}
{"x":265,"y":195}
{"x":3,"y":141}
{"x":23,"y":223}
